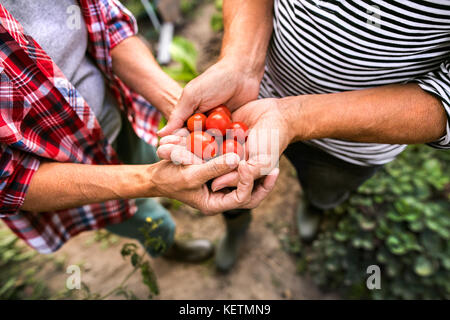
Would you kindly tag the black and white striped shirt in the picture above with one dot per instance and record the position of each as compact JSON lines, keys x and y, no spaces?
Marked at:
{"x":333,"y":46}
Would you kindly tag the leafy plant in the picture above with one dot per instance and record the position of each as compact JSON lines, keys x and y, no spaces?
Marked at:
{"x":17,"y":272}
{"x":139,"y":263}
{"x":398,"y":220}
{"x":135,"y":6}
{"x":217,"y":18}
{"x":188,"y":6}
{"x":183,"y":52}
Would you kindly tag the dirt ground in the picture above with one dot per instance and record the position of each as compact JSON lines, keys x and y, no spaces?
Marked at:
{"x":264,"y":271}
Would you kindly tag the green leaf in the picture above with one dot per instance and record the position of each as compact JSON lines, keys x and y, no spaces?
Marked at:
{"x":128,"y":249}
{"x":135,"y":259}
{"x":217,"y":22}
{"x":184,"y":52}
{"x":423,"y":266}
{"x":149,"y":278}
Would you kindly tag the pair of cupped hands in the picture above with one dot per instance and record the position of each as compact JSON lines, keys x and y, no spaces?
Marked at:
{"x":225,"y":182}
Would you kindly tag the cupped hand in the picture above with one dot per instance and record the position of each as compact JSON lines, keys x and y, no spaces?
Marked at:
{"x":222,"y":83}
{"x":187,"y":183}
{"x":268,"y":136}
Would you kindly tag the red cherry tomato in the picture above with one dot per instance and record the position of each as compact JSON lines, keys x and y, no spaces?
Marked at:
{"x":237,"y":131}
{"x":202,"y":145}
{"x":232,"y":146}
{"x":196,"y":122}
{"x":218,"y":120}
{"x":217,"y":134}
{"x":222,"y":108}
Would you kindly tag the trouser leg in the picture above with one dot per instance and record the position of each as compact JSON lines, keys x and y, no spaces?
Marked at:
{"x":326,"y":180}
{"x":131,"y":228}
{"x":133,"y":150}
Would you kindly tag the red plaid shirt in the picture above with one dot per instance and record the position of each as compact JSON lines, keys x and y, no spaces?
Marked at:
{"x":42,"y":116}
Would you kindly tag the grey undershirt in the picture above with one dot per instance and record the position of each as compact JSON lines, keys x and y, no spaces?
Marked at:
{"x":46,"y":22}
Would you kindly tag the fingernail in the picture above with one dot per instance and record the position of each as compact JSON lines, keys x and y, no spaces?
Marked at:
{"x":231,"y":159}
{"x":274,"y":172}
{"x":216,"y":188}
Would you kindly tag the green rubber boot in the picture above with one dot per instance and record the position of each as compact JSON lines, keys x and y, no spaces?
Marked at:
{"x":308,"y":221}
{"x":194,"y":250}
{"x":227,"y":253}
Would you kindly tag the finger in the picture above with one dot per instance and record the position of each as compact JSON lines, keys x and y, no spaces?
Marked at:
{"x":216,"y":167}
{"x":245,"y":183}
{"x":164,"y":151}
{"x":182,"y":111}
{"x":263,"y":190}
{"x":172,"y":139}
{"x":220,"y":201}
{"x":183,"y":132}
{"x":180,"y":155}
{"x":258,"y":166}
{"x":177,"y":154}
{"x":228,"y":180}
{"x":261,"y":164}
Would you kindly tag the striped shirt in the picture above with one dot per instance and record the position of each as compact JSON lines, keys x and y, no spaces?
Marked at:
{"x":333,"y":46}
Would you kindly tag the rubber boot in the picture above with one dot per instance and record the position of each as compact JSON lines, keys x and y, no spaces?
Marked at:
{"x":308,"y":221}
{"x":237,"y":224}
{"x":194,"y":250}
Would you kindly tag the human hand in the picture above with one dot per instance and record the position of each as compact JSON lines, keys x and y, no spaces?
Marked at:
{"x":187,"y":183}
{"x":223,"y":83}
{"x":268,"y":136}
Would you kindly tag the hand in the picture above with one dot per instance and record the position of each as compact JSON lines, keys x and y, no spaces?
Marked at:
{"x":269,"y":135}
{"x":187,"y":183}
{"x":223,"y":83}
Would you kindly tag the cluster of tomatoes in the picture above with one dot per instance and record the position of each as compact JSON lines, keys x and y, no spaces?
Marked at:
{"x":214,"y":134}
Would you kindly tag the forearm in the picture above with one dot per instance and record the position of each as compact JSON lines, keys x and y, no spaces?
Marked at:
{"x":135,"y":65}
{"x":394,"y":114}
{"x":57,"y":186}
{"x":247,"y":31}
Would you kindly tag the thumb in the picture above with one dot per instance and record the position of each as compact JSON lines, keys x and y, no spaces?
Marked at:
{"x":182,"y":111}
{"x":217,"y":167}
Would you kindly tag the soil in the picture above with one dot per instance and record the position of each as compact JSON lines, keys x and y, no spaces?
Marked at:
{"x":264,"y":271}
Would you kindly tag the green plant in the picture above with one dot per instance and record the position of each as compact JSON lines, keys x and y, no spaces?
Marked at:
{"x":217,"y":18}
{"x":188,"y":6}
{"x":398,"y":220}
{"x":135,"y":6}
{"x":184,"y":69}
{"x":184,"y":54}
{"x":18,"y":269}
{"x":139,"y":263}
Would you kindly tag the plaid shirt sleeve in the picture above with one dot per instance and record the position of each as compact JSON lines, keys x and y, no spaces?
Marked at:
{"x":43,"y":116}
{"x":16,"y":169}
{"x":120,"y":23}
